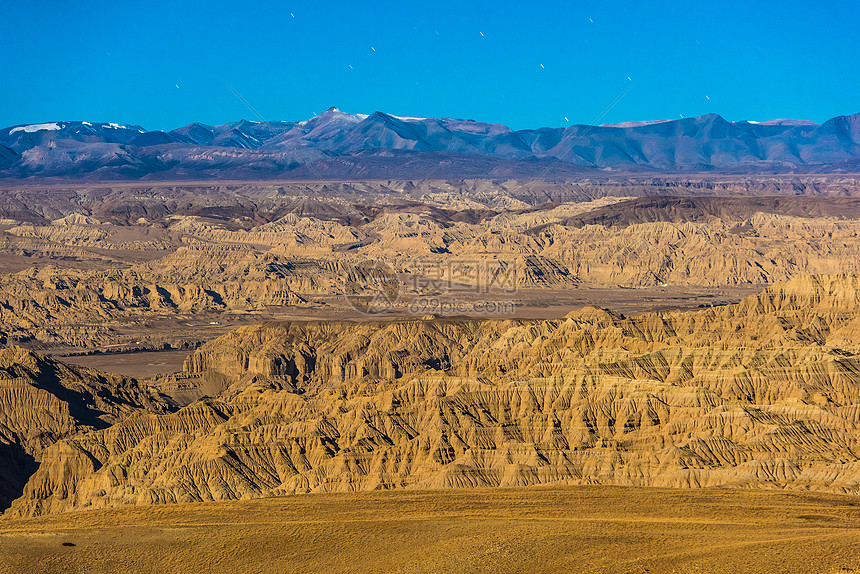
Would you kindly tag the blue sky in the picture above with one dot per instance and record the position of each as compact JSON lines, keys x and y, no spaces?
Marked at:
{"x":166,"y":64}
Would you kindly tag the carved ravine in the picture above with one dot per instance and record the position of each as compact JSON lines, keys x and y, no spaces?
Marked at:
{"x":43,"y":401}
{"x":764,"y":394}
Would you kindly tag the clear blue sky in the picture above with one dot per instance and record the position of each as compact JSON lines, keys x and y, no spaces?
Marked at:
{"x":535,"y":64}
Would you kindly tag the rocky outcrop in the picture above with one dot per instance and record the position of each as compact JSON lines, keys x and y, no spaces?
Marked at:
{"x":239,"y":259}
{"x":762,"y":394}
{"x":43,"y":401}
{"x":81,"y":308}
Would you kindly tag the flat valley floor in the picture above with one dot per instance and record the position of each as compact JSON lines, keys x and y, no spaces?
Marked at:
{"x":544,"y":529}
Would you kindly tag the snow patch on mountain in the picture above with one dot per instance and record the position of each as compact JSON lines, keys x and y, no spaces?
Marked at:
{"x":35,"y":128}
{"x":788,"y":122}
{"x":636,"y":124}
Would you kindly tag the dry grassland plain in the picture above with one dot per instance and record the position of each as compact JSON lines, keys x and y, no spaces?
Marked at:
{"x":548,"y":529}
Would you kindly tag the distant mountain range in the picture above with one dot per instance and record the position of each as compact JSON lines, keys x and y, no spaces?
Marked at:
{"x":338,"y":145}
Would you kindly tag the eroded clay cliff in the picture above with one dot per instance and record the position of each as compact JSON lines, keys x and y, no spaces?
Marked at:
{"x":764,"y":394}
{"x":43,"y":401}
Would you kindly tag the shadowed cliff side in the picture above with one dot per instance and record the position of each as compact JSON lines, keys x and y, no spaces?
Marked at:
{"x":43,"y":401}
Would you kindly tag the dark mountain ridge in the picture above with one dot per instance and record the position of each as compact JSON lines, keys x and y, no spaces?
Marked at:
{"x":338,"y":145}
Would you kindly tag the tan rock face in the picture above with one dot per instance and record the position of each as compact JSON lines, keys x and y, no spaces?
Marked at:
{"x":43,"y":401}
{"x":116,"y":261}
{"x":80,"y":308}
{"x":765,"y":394}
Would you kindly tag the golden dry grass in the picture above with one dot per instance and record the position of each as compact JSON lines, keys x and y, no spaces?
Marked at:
{"x":549,"y":529}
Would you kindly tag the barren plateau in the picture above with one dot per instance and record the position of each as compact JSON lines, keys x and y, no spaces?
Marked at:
{"x":137,"y":267}
{"x":588,"y":366}
{"x":554,"y":529}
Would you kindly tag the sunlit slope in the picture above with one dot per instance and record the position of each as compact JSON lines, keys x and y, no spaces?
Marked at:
{"x":762,"y":394}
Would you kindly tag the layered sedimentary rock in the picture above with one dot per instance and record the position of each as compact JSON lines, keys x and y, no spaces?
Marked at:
{"x":81,"y":308}
{"x":765,"y":394}
{"x":43,"y":401}
{"x":238,"y":259}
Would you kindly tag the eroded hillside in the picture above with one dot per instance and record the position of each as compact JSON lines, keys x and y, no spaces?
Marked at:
{"x":149,"y":267}
{"x":764,"y":393}
{"x":43,"y":401}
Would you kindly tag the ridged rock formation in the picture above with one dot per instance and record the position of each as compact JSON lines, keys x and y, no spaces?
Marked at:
{"x":764,"y":394}
{"x":43,"y":401}
{"x":103,"y":277}
{"x":81,"y":308}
